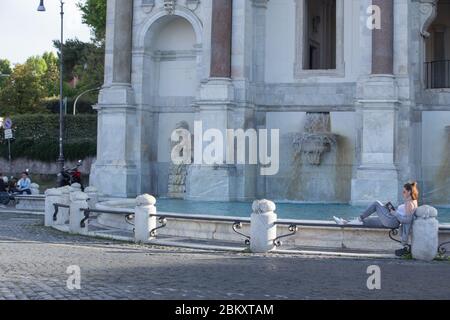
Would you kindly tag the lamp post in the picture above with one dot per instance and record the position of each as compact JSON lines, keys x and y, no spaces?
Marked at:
{"x":41,"y":8}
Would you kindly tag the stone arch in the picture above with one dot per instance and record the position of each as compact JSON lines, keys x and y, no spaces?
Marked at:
{"x":165,"y":45}
{"x":160,"y":14}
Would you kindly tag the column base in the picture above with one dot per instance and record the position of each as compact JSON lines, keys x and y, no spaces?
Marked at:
{"x":115,"y":179}
{"x":373,"y":184}
{"x":211,"y":183}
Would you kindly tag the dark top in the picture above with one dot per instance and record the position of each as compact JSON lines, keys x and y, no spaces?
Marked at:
{"x":2,"y":185}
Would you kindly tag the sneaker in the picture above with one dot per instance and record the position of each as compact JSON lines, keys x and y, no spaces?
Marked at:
{"x":356,"y":221}
{"x":339,"y":221}
{"x":402,"y":252}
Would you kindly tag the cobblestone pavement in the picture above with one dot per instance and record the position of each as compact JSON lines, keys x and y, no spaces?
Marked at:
{"x":34,"y":261}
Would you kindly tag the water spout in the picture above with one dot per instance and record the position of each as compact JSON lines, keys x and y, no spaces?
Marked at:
{"x":316,"y":139}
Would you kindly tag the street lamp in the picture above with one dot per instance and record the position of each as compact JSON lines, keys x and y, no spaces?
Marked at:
{"x":41,"y":8}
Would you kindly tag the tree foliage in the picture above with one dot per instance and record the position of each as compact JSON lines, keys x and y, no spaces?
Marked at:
{"x":5,"y":70}
{"x":94,"y":15}
{"x":34,"y":86}
{"x":5,"y":66}
{"x":83,"y":61}
{"x":28,"y":84}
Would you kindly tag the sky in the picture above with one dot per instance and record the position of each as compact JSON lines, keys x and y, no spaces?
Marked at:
{"x":25,"y":32}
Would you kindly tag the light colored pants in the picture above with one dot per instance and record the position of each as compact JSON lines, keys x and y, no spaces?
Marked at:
{"x":383,"y":219}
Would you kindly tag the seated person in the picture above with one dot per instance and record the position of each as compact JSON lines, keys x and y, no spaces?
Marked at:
{"x":388,"y":217}
{"x":2,"y":183}
{"x":24,"y":184}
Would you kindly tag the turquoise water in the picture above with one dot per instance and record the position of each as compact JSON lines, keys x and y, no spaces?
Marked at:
{"x":284,"y":210}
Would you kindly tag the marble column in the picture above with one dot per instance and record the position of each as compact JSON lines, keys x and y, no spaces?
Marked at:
{"x":221,"y":29}
{"x":216,"y":102}
{"x":114,"y":172}
{"x":383,"y":39}
{"x":377,"y":176}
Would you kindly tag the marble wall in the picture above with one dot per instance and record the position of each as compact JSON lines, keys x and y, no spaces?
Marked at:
{"x":170,"y":81}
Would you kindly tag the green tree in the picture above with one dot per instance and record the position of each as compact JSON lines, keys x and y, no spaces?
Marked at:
{"x":5,"y":70}
{"x":84,"y":61}
{"x":94,"y":15}
{"x":5,"y":66}
{"x":51,"y":76}
{"x":24,"y":89}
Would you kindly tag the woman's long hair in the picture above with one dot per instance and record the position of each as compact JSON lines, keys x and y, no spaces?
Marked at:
{"x":412,"y":187}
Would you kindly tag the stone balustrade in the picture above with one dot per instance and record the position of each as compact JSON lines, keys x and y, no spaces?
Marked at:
{"x":263,"y":227}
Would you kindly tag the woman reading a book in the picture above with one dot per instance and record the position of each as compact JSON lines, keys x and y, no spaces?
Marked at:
{"x":388,"y":216}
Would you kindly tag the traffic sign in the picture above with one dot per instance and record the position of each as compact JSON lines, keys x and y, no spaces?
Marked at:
{"x":8,"y":134}
{"x":7,"y":124}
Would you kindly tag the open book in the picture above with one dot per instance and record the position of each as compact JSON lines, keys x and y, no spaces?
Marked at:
{"x":390,"y":206}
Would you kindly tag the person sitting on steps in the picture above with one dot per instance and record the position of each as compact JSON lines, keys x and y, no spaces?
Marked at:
{"x":391,"y":218}
{"x":24,"y":184}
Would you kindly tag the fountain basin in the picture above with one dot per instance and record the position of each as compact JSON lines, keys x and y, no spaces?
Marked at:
{"x":307,"y":237}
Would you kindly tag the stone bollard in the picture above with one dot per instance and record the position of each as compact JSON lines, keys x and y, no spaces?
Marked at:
{"x":78,"y":200}
{"x":92,"y":192}
{"x":262,"y":228}
{"x":52,"y":196}
{"x":143,"y":223}
{"x":425,"y":234}
{"x":75,"y":187}
{"x":34,"y":188}
{"x":63,"y":213}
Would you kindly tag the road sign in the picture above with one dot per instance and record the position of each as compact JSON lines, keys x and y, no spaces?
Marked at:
{"x":7,"y":124}
{"x":8,"y":134}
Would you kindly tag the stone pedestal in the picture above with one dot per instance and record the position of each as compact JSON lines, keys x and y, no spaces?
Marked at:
{"x":206,"y":181}
{"x":262,"y":228}
{"x":143,"y":222}
{"x":52,"y":196}
{"x":377,"y":177}
{"x":115,"y":172}
{"x":78,"y":202}
{"x":425,"y":234}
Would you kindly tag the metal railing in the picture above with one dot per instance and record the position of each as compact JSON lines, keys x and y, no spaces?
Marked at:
{"x":437,"y":74}
{"x":57,"y":206}
{"x":294,"y":225}
{"x":236,"y":223}
{"x":442,"y":250}
{"x":129,"y":215}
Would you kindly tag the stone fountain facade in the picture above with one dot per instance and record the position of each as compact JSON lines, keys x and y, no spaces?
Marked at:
{"x":258,"y":64}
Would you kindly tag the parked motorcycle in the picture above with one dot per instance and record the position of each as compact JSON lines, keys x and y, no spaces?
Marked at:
{"x":71,"y":176}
